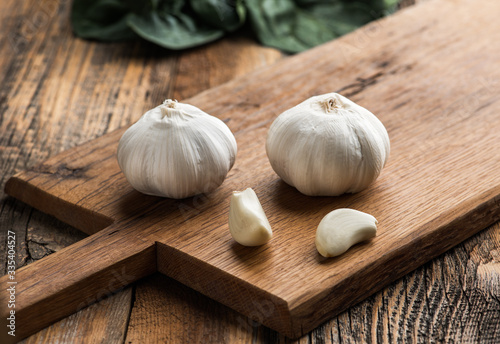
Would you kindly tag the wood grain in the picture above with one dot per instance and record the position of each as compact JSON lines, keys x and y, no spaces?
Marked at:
{"x":347,"y":324}
{"x":106,"y":320}
{"x":194,"y":246}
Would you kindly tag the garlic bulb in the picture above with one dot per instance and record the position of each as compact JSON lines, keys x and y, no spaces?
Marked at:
{"x":327,"y":146}
{"x":176,"y":150}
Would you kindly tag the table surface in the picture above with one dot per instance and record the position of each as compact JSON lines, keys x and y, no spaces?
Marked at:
{"x":54,"y":96}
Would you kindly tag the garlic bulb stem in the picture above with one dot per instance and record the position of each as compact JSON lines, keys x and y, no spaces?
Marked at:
{"x":332,"y":104}
{"x":167,"y":106}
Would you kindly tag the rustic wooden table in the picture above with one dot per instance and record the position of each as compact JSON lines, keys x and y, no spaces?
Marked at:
{"x":58,"y":91}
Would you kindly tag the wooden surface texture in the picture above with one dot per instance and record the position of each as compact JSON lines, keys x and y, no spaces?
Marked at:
{"x":59,"y":91}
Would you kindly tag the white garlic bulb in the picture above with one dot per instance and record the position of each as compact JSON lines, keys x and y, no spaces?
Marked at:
{"x":327,"y":146}
{"x":176,"y":150}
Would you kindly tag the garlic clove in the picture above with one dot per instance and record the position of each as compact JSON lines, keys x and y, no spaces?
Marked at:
{"x":248,"y":223}
{"x":327,"y":146}
{"x":176,"y":150}
{"x":341,"y":229}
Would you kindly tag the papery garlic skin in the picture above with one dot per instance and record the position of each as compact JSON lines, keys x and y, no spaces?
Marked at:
{"x":248,"y":223}
{"x":342,"y":228}
{"x":176,"y":150}
{"x":328,"y":146}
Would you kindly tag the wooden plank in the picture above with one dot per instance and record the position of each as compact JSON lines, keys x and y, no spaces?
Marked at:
{"x":185,"y":316}
{"x":361,"y":86}
{"x":106,"y":320}
{"x":76,"y":277}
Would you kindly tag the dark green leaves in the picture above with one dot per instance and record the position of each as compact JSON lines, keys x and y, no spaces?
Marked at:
{"x":298,"y":25}
{"x":227,"y":15}
{"x":101,"y":19}
{"x":290,"y":25}
{"x":173,"y":24}
{"x":173,"y":31}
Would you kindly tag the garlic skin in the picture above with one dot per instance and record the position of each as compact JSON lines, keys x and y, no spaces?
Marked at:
{"x":248,"y":223}
{"x":176,"y":150}
{"x":342,"y":228}
{"x":328,"y":146}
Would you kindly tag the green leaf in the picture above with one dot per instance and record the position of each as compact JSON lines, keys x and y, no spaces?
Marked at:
{"x":172,"y":31}
{"x":289,"y":25}
{"x":101,"y":19}
{"x":227,"y":15}
{"x":294,"y":26}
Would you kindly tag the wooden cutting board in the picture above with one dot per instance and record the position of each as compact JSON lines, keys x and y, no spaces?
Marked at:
{"x":431,"y":74}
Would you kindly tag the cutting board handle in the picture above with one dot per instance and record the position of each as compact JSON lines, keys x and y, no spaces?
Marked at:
{"x":74,"y":278}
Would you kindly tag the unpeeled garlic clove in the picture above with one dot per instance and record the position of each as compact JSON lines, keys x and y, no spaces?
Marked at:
{"x":342,"y":228}
{"x":248,"y":223}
